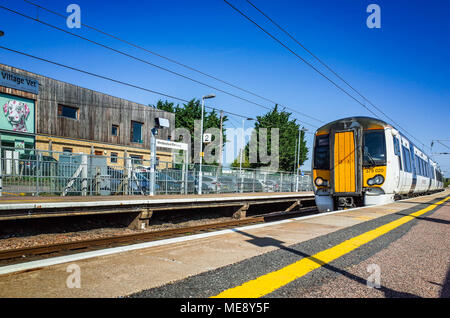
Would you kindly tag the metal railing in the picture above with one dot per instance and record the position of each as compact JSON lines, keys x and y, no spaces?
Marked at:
{"x":42,"y":172}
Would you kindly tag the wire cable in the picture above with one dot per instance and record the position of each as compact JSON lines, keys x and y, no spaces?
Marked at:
{"x":329,"y":68}
{"x":306,"y":62}
{"x":313,"y":67}
{"x":113,"y":80}
{"x":141,"y":60}
{"x":173,"y":61}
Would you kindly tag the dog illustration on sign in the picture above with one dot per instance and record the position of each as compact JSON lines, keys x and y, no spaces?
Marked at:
{"x":16,"y":113}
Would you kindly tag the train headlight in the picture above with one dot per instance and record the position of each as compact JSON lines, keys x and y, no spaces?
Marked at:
{"x":320,"y":182}
{"x":377,"y":180}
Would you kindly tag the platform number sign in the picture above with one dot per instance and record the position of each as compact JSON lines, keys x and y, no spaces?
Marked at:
{"x":207,"y":138}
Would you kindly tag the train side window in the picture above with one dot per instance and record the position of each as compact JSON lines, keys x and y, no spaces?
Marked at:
{"x":406,"y":159}
{"x":397,"y":152}
{"x":396,"y":147}
{"x":413,"y":164}
{"x":425,"y":165}
{"x":419,"y":171}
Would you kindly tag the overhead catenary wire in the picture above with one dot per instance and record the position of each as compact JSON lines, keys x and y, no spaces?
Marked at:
{"x":174,"y":61}
{"x":311,"y":66}
{"x":144,"y":61}
{"x":439,"y":141}
{"x":329,"y":68}
{"x":306,"y":62}
{"x":115,"y":81}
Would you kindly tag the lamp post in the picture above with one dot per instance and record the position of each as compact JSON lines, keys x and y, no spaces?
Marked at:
{"x":200,"y":174}
{"x":298,"y":158}
{"x":242,"y":151}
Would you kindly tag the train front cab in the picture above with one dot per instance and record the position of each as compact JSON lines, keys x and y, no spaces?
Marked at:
{"x":350,"y":164}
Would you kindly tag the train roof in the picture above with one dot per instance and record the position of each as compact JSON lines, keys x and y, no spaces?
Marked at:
{"x":365,"y":122}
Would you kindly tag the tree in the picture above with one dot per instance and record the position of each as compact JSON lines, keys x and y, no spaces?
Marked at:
{"x":288,"y":138}
{"x":245,"y":161}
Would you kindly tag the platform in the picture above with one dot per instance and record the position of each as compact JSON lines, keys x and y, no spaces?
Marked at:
{"x":328,"y":255}
{"x":39,"y":207}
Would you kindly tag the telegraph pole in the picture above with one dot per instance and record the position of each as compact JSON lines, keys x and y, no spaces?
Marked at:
{"x":221,"y":140}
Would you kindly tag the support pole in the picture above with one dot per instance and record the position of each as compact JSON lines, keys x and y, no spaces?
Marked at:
{"x":153,"y":161}
{"x":1,"y":173}
{"x":186,"y":172}
{"x":298,"y":161}
{"x":221,"y":141}
{"x":200,"y":173}
{"x":84,"y":174}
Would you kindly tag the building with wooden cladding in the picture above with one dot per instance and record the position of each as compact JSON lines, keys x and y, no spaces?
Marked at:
{"x":43,"y":113}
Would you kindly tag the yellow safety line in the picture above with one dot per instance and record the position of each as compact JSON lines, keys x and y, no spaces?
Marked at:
{"x":266,"y":284}
{"x":17,"y":194}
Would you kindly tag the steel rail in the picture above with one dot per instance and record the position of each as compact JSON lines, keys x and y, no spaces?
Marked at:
{"x":148,"y":236}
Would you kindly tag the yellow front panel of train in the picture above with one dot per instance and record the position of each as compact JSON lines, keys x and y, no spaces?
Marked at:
{"x":344,"y":162}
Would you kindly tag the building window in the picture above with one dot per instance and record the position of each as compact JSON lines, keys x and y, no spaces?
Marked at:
{"x":67,"y":150}
{"x":68,"y":112}
{"x":137,"y":160}
{"x":115,"y":130}
{"x":136,"y":132}
{"x":98,"y":153}
{"x":113,"y":157}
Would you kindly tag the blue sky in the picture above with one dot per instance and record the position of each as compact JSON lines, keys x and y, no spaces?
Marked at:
{"x":403,"y":67}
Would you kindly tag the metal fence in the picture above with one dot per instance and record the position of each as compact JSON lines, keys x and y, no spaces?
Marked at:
{"x":41,"y":172}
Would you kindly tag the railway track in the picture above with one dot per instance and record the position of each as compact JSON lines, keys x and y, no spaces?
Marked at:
{"x":149,"y":236}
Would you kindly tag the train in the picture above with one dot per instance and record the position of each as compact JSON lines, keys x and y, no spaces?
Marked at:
{"x":364,"y":161}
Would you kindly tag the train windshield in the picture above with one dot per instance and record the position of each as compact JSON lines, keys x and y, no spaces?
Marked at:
{"x":322,"y":153}
{"x":374,"y":145}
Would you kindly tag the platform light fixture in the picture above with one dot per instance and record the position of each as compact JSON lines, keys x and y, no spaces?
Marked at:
{"x":162,"y":123}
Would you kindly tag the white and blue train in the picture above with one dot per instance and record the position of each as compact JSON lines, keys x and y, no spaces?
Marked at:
{"x":360,"y":161}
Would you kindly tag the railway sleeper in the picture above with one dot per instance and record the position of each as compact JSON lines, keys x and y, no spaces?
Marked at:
{"x":297,"y":204}
{"x":140,"y":220}
{"x":241,"y":213}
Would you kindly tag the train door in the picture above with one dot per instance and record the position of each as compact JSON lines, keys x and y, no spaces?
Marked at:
{"x":430,"y":175}
{"x":344,"y":162}
{"x":413,"y":170}
{"x":399,"y":168}
{"x":402,"y":169}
